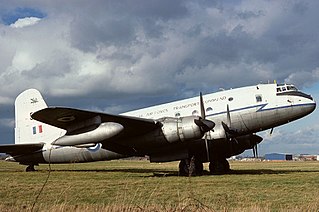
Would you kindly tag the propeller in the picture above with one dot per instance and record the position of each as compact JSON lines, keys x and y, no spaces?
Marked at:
{"x":229,"y":132}
{"x":203,"y":123}
{"x":255,"y":140}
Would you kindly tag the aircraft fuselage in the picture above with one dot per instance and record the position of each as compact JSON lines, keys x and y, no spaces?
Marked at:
{"x":250,"y":109}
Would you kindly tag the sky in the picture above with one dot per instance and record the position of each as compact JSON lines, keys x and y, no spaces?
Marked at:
{"x":116,"y":56}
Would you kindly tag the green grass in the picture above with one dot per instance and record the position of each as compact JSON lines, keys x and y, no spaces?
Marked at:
{"x":140,"y":185}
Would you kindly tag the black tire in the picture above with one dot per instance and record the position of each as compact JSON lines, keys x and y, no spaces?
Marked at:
{"x":184,"y":167}
{"x":30,"y":168}
{"x":220,"y":166}
{"x":191,"y":167}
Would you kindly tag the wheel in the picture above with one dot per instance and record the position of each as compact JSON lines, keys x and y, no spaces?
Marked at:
{"x":199,"y":168}
{"x":190,"y":167}
{"x":30,"y":168}
{"x":184,"y":167}
{"x":220,"y":166}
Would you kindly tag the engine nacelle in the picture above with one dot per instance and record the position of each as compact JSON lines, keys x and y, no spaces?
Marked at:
{"x":102,"y":132}
{"x":181,"y":129}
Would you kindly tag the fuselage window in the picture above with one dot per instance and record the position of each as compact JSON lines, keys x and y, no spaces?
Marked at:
{"x":259,"y":98}
{"x":195,"y":113}
{"x":177,"y":114}
{"x":230,"y":99}
{"x":209,"y":109}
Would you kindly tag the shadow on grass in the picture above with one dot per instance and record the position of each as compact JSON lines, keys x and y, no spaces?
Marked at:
{"x":166,"y":173}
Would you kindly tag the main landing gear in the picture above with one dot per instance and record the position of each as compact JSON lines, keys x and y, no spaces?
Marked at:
{"x":190,"y":167}
{"x":220,"y":166}
{"x":194,"y":167}
{"x":30,"y":168}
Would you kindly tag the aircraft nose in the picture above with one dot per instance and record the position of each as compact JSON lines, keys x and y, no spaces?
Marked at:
{"x":312,"y":106}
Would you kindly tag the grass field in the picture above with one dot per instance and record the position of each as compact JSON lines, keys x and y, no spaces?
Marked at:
{"x":141,"y":186}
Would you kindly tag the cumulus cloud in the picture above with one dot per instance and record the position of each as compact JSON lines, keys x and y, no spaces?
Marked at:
{"x":105,"y":53}
{"x":304,"y":76}
{"x":152,"y":50}
{"x":23,"y":22}
{"x":297,"y":141}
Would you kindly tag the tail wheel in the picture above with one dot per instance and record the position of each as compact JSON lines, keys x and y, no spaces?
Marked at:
{"x":30,"y":168}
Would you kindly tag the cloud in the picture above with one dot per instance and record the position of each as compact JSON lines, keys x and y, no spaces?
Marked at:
{"x":23,"y":22}
{"x":304,"y":76}
{"x":139,"y":53}
{"x":298,"y":141}
{"x":147,"y":49}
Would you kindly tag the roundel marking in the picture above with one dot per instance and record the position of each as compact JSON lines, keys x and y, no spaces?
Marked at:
{"x":66,"y":119}
{"x":95,"y":148}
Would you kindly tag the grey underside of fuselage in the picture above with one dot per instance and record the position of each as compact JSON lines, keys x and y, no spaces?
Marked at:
{"x":68,"y":155}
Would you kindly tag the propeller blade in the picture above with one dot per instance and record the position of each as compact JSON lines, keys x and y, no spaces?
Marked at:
{"x":271,"y":131}
{"x":226,"y":128}
{"x":201,"y":104}
{"x":228,"y":117}
{"x":255,"y":150}
{"x":204,"y":124}
{"x":207,"y":149}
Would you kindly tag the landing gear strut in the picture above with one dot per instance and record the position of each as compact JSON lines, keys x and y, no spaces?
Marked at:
{"x":220,"y":166}
{"x":190,"y":167}
{"x":30,"y":168}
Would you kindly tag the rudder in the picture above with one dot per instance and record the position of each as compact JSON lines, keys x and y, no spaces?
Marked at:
{"x":28,"y":130}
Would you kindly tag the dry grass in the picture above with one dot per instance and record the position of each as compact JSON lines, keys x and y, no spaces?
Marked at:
{"x":141,"y":186}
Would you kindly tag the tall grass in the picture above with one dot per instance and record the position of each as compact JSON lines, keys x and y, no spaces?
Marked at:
{"x":141,"y":186}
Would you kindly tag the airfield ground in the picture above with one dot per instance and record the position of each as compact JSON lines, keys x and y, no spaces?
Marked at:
{"x":141,"y":186}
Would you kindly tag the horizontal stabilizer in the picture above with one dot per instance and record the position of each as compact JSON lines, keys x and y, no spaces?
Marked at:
{"x":20,"y":149}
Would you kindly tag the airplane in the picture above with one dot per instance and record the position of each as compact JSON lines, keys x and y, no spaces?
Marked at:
{"x":208,"y":128}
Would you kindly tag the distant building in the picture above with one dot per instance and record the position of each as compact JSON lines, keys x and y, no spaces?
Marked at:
{"x":309,"y":157}
{"x":278,"y":156}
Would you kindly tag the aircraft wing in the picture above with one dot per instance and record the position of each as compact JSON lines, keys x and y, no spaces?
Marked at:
{"x":20,"y":149}
{"x":65,"y":118}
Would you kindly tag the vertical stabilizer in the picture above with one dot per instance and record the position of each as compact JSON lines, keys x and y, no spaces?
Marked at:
{"x":28,"y":130}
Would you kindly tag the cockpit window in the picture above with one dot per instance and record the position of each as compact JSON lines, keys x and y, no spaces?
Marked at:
{"x":286,"y":87}
{"x":291,"y":88}
{"x":259,"y":98}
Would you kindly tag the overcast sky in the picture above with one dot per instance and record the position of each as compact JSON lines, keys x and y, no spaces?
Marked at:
{"x":115,"y":56}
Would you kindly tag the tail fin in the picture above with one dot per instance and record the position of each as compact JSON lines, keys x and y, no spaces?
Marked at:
{"x":28,"y":130}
